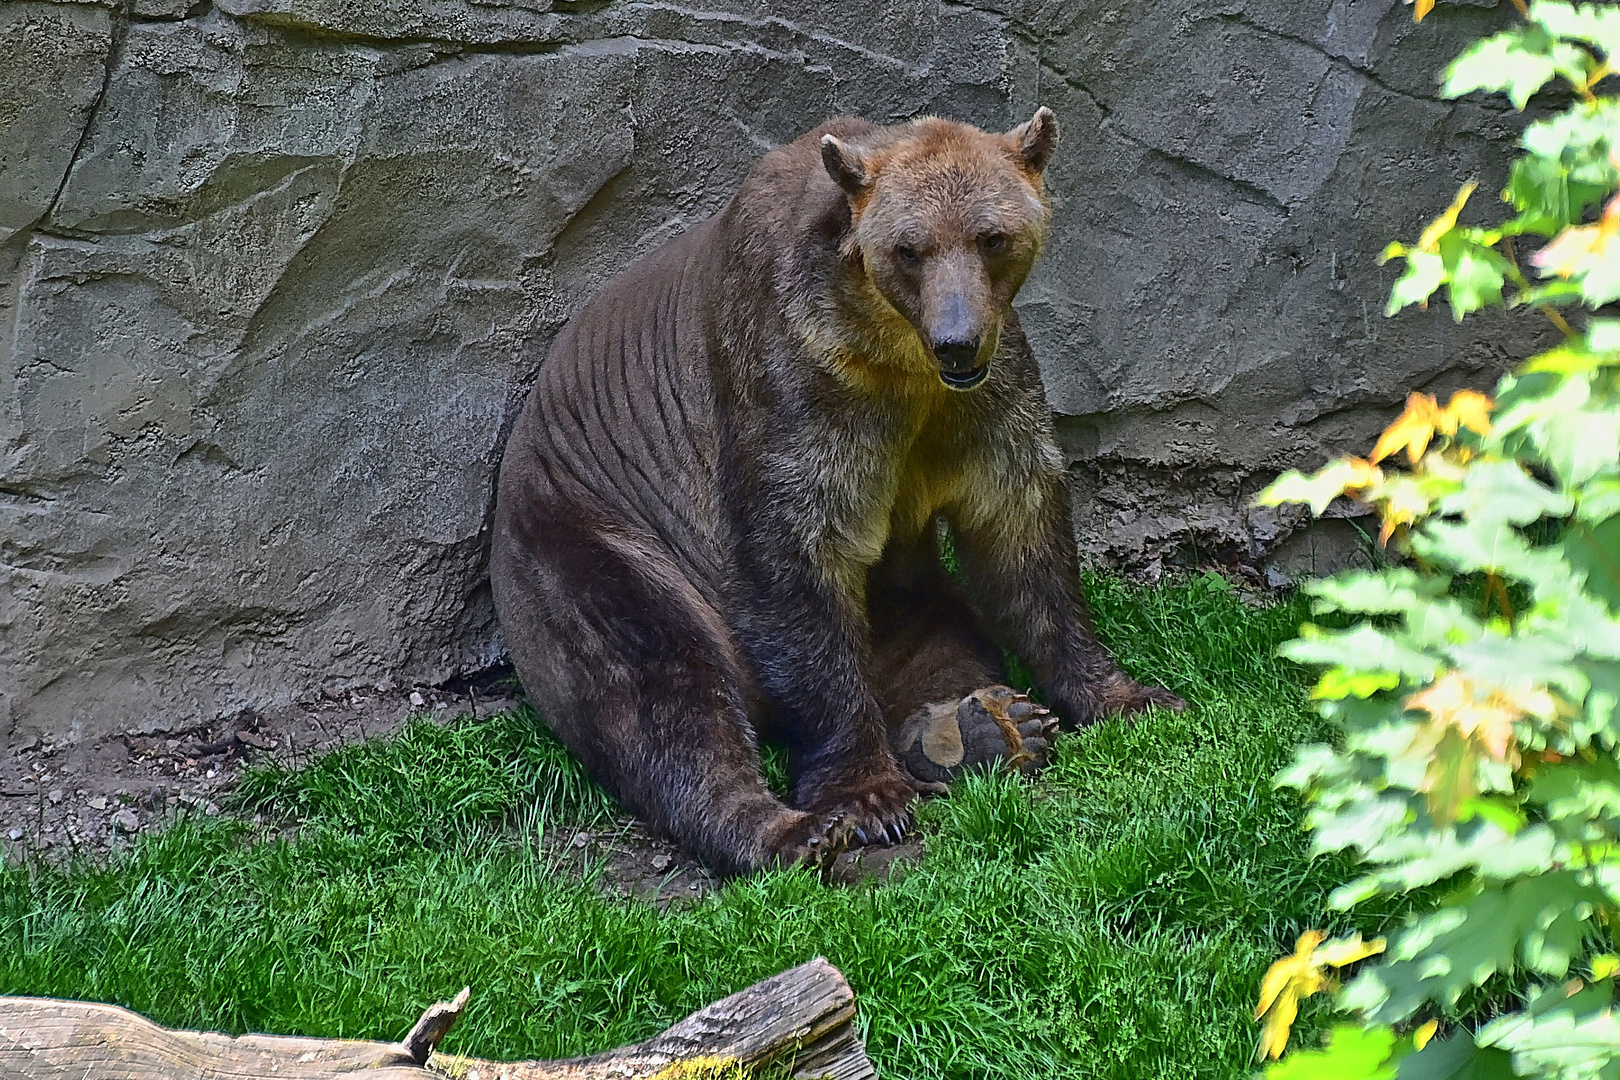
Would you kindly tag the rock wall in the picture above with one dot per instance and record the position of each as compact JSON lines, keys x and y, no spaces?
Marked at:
{"x":274,"y":275}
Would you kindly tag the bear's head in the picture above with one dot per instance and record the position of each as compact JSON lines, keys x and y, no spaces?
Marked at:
{"x":946,"y":222}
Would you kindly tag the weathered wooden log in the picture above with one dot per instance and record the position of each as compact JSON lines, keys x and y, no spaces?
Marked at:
{"x":801,"y":1021}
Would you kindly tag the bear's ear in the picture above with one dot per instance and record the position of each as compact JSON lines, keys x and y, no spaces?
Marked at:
{"x":1034,"y":140}
{"x":845,"y":165}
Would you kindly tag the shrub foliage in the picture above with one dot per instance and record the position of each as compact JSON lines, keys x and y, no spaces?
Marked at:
{"x":1476,"y":683}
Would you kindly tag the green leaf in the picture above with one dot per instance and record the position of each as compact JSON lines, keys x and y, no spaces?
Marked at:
{"x":1497,"y":810}
{"x":1416,"y":857}
{"x":1451,"y":777}
{"x":1362,"y":648}
{"x":1537,"y":923}
{"x":1569,"y":1037}
{"x":1556,"y":293}
{"x":1548,"y":196}
{"x":1351,"y":1053}
{"x":1474,"y":272}
{"x":1339,"y":683}
{"x":1574,"y":433}
{"x":1566,"y":360}
{"x":1526,"y":659}
{"x":1312,"y":763}
{"x":1425,"y":273}
{"x":1595,"y":551}
{"x":1518,"y":62}
{"x":1601,"y":282}
{"x":1489,"y":547}
{"x":1388,"y":592}
{"x":1587,"y":791}
{"x":1499,"y":490}
{"x":1595,"y":24}
{"x":1457,"y":1058}
{"x":1578,"y":139}
{"x":1363,"y":824}
{"x":1600,"y":501}
{"x":1603,"y":335}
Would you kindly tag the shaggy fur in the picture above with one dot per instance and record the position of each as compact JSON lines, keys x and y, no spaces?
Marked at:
{"x":718,"y":512}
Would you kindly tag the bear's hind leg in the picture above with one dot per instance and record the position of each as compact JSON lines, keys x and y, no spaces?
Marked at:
{"x":627,"y":664}
{"x":938,"y":678}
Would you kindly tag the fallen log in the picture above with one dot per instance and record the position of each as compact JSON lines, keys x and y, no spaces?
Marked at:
{"x":800,"y":1022}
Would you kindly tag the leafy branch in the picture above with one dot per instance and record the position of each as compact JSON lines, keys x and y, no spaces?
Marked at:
{"x":1477,"y":692}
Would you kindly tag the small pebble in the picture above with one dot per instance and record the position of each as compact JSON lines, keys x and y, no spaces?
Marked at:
{"x":98,"y":803}
{"x":126,"y":820}
{"x":56,"y":795}
{"x":15,"y":834}
{"x":661,"y":862}
{"x":417,"y":699}
{"x":581,"y":839}
{"x":255,"y":740}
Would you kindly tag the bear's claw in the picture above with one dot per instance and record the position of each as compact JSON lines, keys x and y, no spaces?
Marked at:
{"x":815,"y":841}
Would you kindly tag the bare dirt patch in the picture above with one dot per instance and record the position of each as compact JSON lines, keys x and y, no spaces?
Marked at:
{"x":91,"y":797}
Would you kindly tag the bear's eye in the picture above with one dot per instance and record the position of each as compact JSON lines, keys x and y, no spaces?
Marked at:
{"x":993,"y":242}
{"x":906,"y":254}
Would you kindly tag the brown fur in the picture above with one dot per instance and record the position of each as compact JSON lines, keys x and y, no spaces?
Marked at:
{"x":717,"y":512}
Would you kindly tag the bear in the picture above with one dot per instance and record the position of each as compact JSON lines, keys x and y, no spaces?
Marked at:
{"x":720,"y":512}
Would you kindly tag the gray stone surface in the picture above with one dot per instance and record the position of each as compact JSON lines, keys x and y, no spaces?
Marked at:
{"x":275,"y":273}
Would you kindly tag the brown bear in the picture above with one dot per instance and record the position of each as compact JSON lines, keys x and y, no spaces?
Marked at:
{"x":720,"y":512}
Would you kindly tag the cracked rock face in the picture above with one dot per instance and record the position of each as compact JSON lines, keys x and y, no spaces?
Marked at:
{"x":274,"y":275}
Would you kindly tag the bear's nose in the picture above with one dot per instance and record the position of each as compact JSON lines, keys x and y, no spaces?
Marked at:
{"x":957,"y":356}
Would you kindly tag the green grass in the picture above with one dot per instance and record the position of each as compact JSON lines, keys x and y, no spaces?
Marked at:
{"x":1110,"y":919}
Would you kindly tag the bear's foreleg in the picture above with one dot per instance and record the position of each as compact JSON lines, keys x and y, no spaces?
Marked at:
{"x":807,"y":638}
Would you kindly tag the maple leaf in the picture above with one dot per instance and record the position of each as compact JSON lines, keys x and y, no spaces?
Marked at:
{"x":1412,"y":429}
{"x":1456,"y":701}
{"x":1467,"y":409}
{"x":1300,"y":976}
{"x":1466,"y":723}
{"x":1401,"y":501}
{"x":1340,"y":477}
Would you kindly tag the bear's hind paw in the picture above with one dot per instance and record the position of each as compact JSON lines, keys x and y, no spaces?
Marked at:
{"x":996,"y":724}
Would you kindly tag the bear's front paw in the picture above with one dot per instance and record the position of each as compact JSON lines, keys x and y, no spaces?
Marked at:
{"x":938,"y":743}
{"x":877,"y":807}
